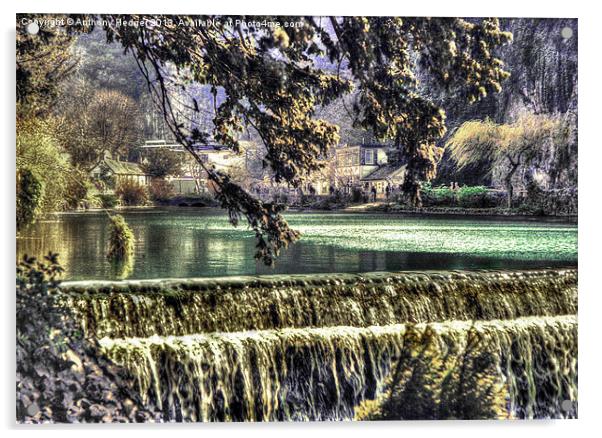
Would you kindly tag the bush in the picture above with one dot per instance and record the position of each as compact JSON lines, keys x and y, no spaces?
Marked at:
{"x":479,"y":197}
{"x":161,"y":190}
{"x":121,"y":239}
{"x":465,"y":197}
{"x":357,"y":195}
{"x":38,"y":151}
{"x":437,"y":196}
{"x":78,"y":192}
{"x":60,"y":376}
{"x":108,"y":200}
{"x":30,"y":190}
{"x":131,"y":193}
{"x":550,"y":202}
{"x":333,"y":202}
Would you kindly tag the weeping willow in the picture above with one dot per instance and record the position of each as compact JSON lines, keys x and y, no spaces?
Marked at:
{"x":506,"y":147}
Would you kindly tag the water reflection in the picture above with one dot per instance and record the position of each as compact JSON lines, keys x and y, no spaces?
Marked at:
{"x":200,"y":242}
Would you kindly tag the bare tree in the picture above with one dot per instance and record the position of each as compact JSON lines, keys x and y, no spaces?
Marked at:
{"x":96,"y":123}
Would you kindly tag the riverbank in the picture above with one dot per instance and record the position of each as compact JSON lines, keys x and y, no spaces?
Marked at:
{"x":458,"y":211}
{"x":372,"y":207}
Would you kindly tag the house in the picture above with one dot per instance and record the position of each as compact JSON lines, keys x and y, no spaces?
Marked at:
{"x":356,"y":162}
{"x":119,"y":172}
{"x":383,"y":177}
{"x":193,"y":178}
{"x":366,"y":166}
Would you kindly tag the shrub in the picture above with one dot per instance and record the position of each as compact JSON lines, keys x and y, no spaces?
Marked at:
{"x":550,"y":202}
{"x":38,"y":151}
{"x":161,"y":190}
{"x":357,"y":195}
{"x":131,"y":193}
{"x":479,"y":197}
{"x":79,"y":190}
{"x":335,"y":201}
{"x":465,"y":197}
{"x":60,"y":376}
{"x":121,"y":239}
{"x":437,"y":196}
{"x":30,"y":190}
{"x":108,"y":200}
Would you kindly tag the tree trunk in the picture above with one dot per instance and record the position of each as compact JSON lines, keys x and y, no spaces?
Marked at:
{"x":508,"y":182}
{"x":509,"y":192}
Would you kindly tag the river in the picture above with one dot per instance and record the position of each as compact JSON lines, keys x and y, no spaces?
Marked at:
{"x":182,"y":243}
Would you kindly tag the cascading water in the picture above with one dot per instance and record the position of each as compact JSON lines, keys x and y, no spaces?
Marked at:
{"x":180,"y":307}
{"x":312,"y":348}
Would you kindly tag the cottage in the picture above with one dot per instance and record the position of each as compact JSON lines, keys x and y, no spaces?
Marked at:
{"x":385,"y":180}
{"x":120,"y":172}
{"x":356,"y":162}
{"x":193,"y":178}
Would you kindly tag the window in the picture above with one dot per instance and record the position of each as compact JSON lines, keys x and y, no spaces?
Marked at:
{"x":369,"y":157}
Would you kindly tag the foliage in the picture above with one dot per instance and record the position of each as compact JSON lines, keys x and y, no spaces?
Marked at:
{"x":357,"y":195}
{"x":544,"y":80}
{"x":39,"y":152}
{"x":108,"y":200}
{"x":550,"y":202}
{"x":37,"y":283}
{"x":60,"y":376}
{"x":437,"y":196}
{"x":476,"y":197}
{"x":30,"y":191}
{"x":96,"y":123}
{"x":465,"y":197}
{"x":272,"y":79}
{"x":335,"y":201}
{"x":121,"y":239}
{"x":122,"y":268}
{"x":78,"y":192}
{"x":44,"y":60}
{"x":106,"y":177}
{"x":160,"y":163}
{"x":131,"y":193}
{"x":433,"y":381}
{"x":161,"y":190}
{"x":508,"y":147}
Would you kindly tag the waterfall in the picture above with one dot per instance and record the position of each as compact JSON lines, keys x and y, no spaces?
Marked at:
{"x":180,"y":307}
{"x":314,"y":347}
{"x":322,"y":374}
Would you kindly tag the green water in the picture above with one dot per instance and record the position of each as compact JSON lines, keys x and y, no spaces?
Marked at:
{"x":201,"y":242}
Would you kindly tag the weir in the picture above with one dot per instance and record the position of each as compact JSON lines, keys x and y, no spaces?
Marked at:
{"x":180,"y":307}
{"x":322,"y":374}
{"x":271,"y":348}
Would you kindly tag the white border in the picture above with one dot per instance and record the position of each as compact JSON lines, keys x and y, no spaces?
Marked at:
{"x":590,"y":162}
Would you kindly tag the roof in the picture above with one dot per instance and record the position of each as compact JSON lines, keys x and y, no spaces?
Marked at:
{"x":123,"y":167}
{"x":179,"y":148}
{"x":365,"y":146}
{"x":384,"y":172}
{"x":374,"y":145}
